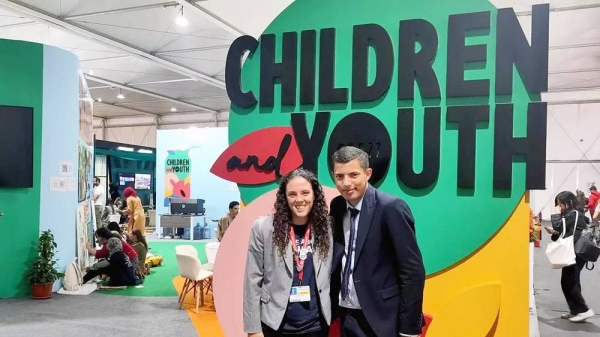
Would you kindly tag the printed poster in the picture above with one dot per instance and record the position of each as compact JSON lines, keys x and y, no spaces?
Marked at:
{"x":85,"y":233}
{"x":85,"y":174}
{"x":177,"y":175}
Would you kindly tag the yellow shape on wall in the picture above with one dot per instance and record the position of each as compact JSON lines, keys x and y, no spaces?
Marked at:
{"x":470,"y":313}
{"x":485,"y":295}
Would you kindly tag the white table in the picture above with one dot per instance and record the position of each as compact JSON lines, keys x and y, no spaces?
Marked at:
{"x":179,"y":221}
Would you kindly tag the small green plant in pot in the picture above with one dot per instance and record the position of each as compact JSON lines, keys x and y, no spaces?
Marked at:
{"x":43,"y":271}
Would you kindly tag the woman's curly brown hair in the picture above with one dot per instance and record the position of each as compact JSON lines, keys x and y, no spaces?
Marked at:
{"x":318,"y":217}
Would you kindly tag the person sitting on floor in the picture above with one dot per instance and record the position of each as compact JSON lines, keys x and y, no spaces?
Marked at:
{"x":114,"y":227}
{"x":103,"y":235}
{"x":117,"y":266}
{"x":141,"y":247}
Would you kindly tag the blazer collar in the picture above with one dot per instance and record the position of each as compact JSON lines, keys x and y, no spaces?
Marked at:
{"x":365,"y":220}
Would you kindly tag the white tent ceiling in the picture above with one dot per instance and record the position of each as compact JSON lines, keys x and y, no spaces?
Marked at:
{"x":136,"y":47}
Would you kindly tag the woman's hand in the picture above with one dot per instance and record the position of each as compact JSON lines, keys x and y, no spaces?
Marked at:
{"x":550,"y":230}
{"x":258,"y":334}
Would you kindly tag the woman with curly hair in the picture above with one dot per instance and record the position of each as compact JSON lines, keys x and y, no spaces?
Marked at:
{"x":286,"y":288}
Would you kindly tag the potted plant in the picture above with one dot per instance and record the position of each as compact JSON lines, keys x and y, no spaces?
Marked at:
{"x":43,"y":271}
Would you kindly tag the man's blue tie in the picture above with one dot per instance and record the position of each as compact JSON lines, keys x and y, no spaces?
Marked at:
{"x":350,"y":250}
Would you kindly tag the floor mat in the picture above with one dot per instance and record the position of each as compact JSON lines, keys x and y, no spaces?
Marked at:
{"x":205,"y":321}
{"x":159,"y":282}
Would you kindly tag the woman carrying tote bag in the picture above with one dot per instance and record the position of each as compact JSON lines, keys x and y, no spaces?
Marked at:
{"x":569,"y":221}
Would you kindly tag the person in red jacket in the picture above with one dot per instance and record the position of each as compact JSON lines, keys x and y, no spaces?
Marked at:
{"x":593,"y":200}
{"x":103,"y":234}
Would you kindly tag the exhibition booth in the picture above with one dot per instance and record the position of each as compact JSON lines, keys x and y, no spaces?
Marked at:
{"x":126,"y":165}
{"x":451,"y":145}
{"x":183,"y":173}
{"x":45,"y":143}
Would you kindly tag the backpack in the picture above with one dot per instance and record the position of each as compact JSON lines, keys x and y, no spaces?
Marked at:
{"x":73,"y":279}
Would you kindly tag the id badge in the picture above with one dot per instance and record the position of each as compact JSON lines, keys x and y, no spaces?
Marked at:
{"x":300,"y":294}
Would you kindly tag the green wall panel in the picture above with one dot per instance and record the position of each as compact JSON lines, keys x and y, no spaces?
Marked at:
{"x":21,"y":74}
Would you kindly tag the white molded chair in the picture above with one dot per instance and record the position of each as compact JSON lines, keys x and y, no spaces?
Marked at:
{"x":211,"y":251}
{"x":195,"y":276}
{"x":186,"y":249}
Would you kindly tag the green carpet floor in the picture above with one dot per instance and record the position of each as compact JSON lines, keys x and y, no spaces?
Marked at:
{"x":160,"y":281}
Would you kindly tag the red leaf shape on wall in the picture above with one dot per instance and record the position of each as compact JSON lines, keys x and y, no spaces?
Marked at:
{"x":427,"y":323}
{"x":258,"y":156}
{"x":335,"y":329}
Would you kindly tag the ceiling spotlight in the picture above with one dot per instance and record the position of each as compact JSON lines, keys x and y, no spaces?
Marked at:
{"x":181,"y":19}
{"x":120,"y":95}
{"x":99,"y":100}
{"x":91,"y":72}
{"x":173,"y":109}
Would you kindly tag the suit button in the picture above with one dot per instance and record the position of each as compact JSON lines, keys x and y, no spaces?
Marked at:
{"x":319,"y":291}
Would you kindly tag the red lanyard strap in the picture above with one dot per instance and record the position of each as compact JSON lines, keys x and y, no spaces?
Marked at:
{"x":299,"y":261}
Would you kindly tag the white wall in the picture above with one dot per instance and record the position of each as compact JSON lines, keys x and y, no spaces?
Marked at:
{"x":572,"y":154}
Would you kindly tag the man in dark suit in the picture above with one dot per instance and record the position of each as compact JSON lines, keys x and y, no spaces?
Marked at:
{"x":377,"y":273}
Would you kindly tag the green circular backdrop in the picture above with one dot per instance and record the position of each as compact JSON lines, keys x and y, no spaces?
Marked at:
{"x":451,"y":224}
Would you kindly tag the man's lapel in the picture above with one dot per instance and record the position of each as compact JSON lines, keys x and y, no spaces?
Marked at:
{"x":338,"y":211}
{"x":365,"y":219}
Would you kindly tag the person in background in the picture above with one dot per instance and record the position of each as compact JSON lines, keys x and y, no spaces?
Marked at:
{"x":378,"y":276}
{"x":141,"y":247}
{"x":103,"y":235}
{"x":114,"y":227}
{"x":135,"y":211}
{"x":567,"y":210}
{"x":117,"y":266}
{"x":113,"y":190}
{"x":287,"y":277}
{"x":234,"y":209}
{"x":99,"y":200}
{"x":109,"y":210}
{"x":582,"y":200}
{"x":592,"y":200}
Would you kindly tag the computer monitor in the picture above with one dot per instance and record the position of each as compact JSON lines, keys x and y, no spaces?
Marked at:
{"x":127,"y":180}
{"x":143,"y":181}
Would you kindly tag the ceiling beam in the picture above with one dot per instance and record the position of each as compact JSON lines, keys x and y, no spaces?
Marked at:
{"x":19,"y":24}
{"x":572,"y":46}
{"x":212,"y":17}
{"x":574,"y":71}
{"x":146,"y":83}
{"x":220,"y":113}
{"x":188,"y":50}
{"x":115,"y":126}
{"x":122,"y":10}
{"x":48,"y":19}
{"x":106,"y":58}
{"x":563,"y":9}
{"x":128,"y":108}
{"x":592,"y":88}
{"x":148,"y":93}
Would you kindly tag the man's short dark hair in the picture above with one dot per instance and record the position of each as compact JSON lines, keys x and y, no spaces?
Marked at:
{"x":233,"y":204}
{"x":97,"y":179}
{"x":348,"y":153}
{"x":593,"y":188}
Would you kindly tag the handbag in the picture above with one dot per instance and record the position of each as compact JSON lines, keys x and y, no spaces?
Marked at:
{"x":586,"y":248}
{"x":561,"y":253}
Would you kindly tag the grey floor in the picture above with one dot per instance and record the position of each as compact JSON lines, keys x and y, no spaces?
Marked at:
{"x":94,"y":315}
{"x":551,"y":303}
